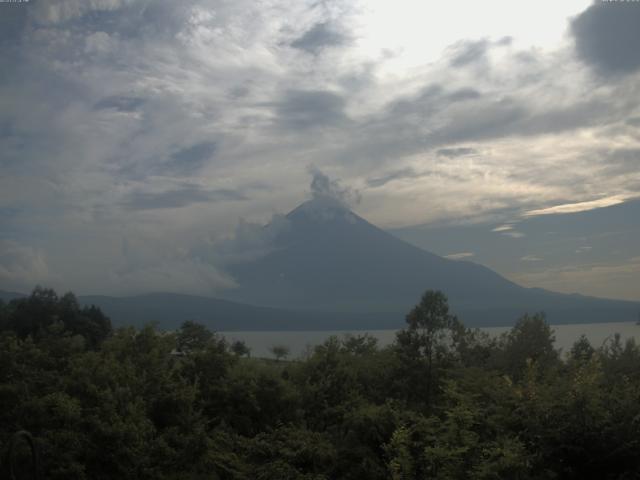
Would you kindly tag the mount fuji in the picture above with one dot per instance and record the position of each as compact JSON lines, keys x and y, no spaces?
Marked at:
{"x":326,"y":258}
{"x":326,"y":268}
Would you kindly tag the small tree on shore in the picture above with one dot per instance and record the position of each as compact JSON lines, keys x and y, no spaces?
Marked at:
{"x":429,"y":327}
{"x":280,"y":351}
{"x":240,"y":348}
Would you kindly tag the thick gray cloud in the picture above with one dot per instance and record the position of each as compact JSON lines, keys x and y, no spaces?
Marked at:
{"x":325,"y":188}
{"x":120,"y":103}
{"x":249,"y":242}
{"x":625,"y":161}
{"x":413,"y":174}
{"x":320,"y":36}
{"x":13,"y":18}
{"x":456,"y":152}
{"x":22,"y":266}
{"x":190,"y":159}
{"x":391,"y":176}
{"x":463,"y":94}
{"x":469,"y":52}
{"x":60,"y":11}
{"x":607,"y":36}
{"x":180,"y":198}
{"x":302,"y":109}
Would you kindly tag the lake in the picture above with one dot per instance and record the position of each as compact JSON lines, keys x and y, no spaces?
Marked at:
{"x":300,"y":341}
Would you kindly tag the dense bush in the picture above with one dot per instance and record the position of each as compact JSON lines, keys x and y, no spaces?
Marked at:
{"x":441,"y":402}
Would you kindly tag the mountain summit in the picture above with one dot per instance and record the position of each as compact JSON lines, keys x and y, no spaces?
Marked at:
{"x":327,"y":258}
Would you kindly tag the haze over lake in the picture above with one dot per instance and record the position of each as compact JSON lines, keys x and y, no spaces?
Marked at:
{"x":299,"y":342}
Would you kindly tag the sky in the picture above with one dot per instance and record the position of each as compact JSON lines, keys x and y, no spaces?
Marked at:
{"x":137,"y":134}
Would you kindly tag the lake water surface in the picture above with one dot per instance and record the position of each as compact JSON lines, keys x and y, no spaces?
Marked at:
{"x":299,"y":342}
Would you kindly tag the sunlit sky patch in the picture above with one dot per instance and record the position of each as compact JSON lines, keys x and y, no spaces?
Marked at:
{"x":577,"y":207}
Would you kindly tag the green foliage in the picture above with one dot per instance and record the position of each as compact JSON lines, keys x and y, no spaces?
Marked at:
{"x":43,"y":310}
{"x":530,"y":340}
{"x":581,"y":351}
{"x":193,"y":337}
{"x":280,"y":351}
{"x":424,"y":347}
{"x":240,"y":348}
{"x":442,"y":402}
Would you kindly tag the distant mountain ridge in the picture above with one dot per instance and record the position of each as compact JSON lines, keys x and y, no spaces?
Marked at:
{"x":170,"y":310}
{"x":8,"y":296}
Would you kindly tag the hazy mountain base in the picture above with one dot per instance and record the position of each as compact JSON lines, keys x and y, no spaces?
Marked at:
{"x":147,"y":404}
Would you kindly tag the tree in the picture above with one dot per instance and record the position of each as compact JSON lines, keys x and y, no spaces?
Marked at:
{"x":429,"y":319}
{"x":582,"y":350}
{"x":43,"y":313}
{"x":530,"y":340}
{"x":30,"y":315}
{"x":240,"y":348}
{"x":193,"y":336}
{"x":280,"y":351}
{"x":430,"y":324}
{"x":359,"y":344}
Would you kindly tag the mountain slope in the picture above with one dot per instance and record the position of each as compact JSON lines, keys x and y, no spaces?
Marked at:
{"x":329,"y":258}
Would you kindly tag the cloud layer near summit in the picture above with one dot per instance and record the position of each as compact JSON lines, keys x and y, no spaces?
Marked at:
{"x":135,"y":133}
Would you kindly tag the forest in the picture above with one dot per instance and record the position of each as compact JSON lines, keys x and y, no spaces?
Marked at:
{"x":443,"y":401}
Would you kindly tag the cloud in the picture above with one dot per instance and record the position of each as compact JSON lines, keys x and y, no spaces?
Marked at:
{"x":190,"y":159}
{"x":429,"y":97}
{"x":13,"y":18}
{"x":531,"y":258}
{"x":463,"y":94}
{"x":59,"y":11}
{"x":22,"y":267}
{"x":623,"y":161}
{"x":304,"y":109}
{"x":578,"y":207}
{"x":99,"y":43}
{"x":250,"y":241}
{"x":513,"y":234}
{"x":320,"y":36}
{"x":179,"y":275}
{"x":391,"y":176}
{"x":144,"y":266}
{"x":612,"y":279}
{"x":607,"y":37}
{"x":469,"y":52}
{"x":323,"y":188}
{"x":120,"y":103}
{"x":456,"y":152}
{"x":114,"y":112}
{"x":459,"y":256}
{"x":180,"y":198}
